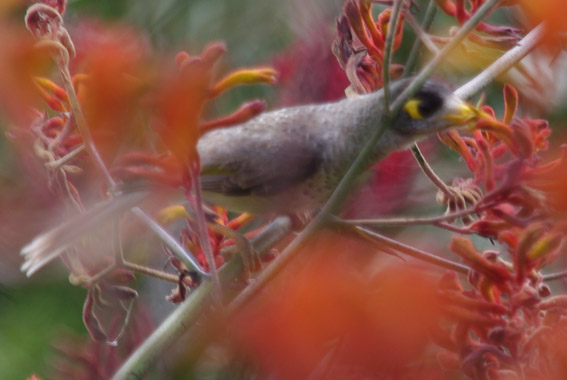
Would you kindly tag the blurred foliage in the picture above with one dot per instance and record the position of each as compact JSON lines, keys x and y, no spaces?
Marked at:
{"x":31,"y":317}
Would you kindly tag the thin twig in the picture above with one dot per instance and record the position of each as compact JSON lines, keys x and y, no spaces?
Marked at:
{"x":502,"y":64}
{"x":413,"y":252}
{"x":151,"y":272}
{"x":99,"y":276}
{"x":428,"y":171}
{"x":554,"y":276}
{"x":55,"y":164}
{"x":81,"y":122}
{"x":421,"y":34}
{"x":414,"y":221}
{"x":184,"y":256}
{"x":411,"y":63}
{"x":203,"y":232}
{"x":396,"y":10}
{"x":452,"y":228}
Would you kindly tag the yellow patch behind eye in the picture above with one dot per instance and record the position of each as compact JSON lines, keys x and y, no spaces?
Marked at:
{"x":412,"y":108}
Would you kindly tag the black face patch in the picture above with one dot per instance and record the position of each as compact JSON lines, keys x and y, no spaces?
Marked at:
{"x":430,"y":102}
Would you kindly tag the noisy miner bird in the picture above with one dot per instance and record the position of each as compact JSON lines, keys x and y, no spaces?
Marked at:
{"x":286,"y":161}
{"x":291,"y":160}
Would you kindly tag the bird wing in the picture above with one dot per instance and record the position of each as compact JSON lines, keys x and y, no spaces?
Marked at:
{"x":236,"y":164}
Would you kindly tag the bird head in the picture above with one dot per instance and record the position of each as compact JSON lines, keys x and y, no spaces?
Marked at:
{"x":432,"y":109}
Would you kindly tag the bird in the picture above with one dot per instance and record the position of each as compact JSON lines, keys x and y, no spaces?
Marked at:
{"x":290,"y":160}
{"x":285,"y":161}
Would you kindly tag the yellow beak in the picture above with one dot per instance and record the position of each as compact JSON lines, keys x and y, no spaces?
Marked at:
{"x":461,"y":113}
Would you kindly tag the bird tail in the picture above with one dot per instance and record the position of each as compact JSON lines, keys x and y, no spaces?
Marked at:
{"x":51,"y":244}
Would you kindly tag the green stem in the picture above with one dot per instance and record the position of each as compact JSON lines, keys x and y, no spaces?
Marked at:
{"x":396,"y":10}
{"x":411,"y":63}
{"x":192,"y":309}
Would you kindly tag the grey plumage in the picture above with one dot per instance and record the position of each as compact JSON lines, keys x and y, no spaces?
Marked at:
{"x":291,"y":159}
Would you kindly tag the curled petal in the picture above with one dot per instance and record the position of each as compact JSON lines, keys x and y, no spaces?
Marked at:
{"x":384,"y":19}
{"x":51,"y":101}
{"x":546,"y":246}
{"x":447,"y":6}
{"x":357,"y":24}
{"x":465,"y":249}
{"x":41,"y":19}
{"x":123,"y":293}
{"x":470,"y":316}
{"x":171,"y":213}
{"x":50,"y":86}
{"x":181,"y":58}
{"x":352,"y":72}
{"x":265,"y":75}
{"x":525,"y":246}
{"x":366,"y":13}
{"x":462,"y":300}
{"x":499,"y":129}
{"x":213,"y":52}
{"x":246,"y":112}
{"x":454,"y":141}
{"x":460,"y":12}
{"x":54,"y":47}
{"x":59,"y":5}
{"x":450,"y":282}
{"x":240,"y":221}
{"x":342,"y":45}
{"x":557,"y":302}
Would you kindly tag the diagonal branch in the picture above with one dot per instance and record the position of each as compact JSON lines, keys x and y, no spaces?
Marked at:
{"x":502,"y":64}
{"x":391,"y":35}
{"x":413,"y":252}
{"x":184,"y":317}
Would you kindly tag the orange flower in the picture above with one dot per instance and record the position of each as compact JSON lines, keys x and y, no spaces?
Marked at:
{"x":551,"y":181}
{"x":333,"y":304}
{"x":180,"y":101}
{"x":552,"y":12}
{"x":115,"y":70}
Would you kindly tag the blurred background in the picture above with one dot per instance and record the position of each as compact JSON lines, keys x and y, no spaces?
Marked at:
{"x":294,"y":36}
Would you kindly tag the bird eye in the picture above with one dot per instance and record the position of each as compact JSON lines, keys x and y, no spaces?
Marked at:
{"x":412,"y":108}
{"x":423,"y":105}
